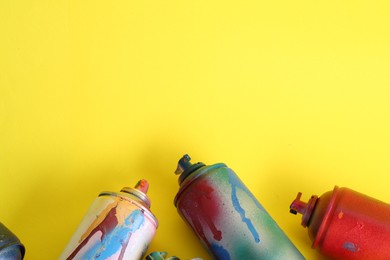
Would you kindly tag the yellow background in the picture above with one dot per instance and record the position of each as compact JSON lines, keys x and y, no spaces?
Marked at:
{"x":94,"y":95}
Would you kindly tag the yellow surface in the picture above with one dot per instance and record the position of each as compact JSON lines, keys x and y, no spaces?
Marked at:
{"x":94,"y":95}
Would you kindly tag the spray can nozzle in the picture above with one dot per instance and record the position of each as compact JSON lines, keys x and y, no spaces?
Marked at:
{"x":183,"y":164}
{"x":142,"y":185}
{"x":306,"y":209}
{"x":185,"y":167}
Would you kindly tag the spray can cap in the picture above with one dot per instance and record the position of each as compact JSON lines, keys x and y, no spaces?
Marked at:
{"x":185,"y":167}
{"x":160,"y":256}
{"x":139,"y":192}
{"x":306,"y":209}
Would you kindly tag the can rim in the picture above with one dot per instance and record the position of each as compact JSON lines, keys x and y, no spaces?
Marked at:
{"x":139,"y":194}
{"x":123,"y":196}
{"x":327,"y":216}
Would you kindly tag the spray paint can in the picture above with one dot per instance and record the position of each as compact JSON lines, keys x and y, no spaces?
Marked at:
{"x":225,"y":215}
{"x":345,"y":224}
{"x":10,"y":246}
{"x":116,"y":226}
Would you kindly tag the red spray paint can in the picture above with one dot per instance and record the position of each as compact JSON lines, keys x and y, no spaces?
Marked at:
{"x":345,"y":224}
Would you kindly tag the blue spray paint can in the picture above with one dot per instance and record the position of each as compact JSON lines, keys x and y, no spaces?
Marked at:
{"x":10,"y":246}
{"x":226,"y":217}
{"x":118,"y":225}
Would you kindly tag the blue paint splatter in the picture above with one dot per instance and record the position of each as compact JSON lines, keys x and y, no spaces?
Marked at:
{"x":351,"y":247}
{"x":236,"y":203}
{"x":116,"y":238}
{"x":220,"y":252}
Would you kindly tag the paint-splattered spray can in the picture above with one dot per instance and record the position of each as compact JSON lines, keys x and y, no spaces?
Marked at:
{"x":117,"y":226}
{"x":225,"y":215}
{"x":345,"y":224}
{"x":10,"y":246}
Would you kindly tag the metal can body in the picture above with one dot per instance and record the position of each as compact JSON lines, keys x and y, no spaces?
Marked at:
{"x":10,"y":246}
{"x":115,"y":227}
{"x":345,"y":224}
{"x":228,"y":219}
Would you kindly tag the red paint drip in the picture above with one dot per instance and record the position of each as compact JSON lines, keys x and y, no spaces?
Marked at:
{"x":108,"y":224}
{"x":199,"y":204}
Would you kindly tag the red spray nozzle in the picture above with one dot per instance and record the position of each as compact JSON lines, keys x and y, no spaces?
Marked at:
{"x":306,"y":209}
{"x":298,"y":206}
{"x":142,"y":185}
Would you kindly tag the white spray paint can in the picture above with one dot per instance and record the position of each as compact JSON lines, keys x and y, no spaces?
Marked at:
{"x":118,"y":225}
